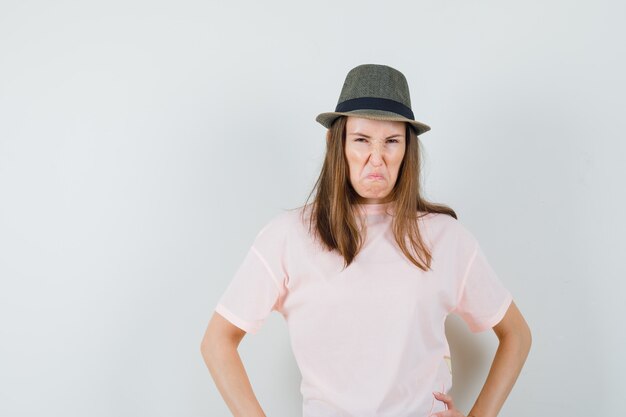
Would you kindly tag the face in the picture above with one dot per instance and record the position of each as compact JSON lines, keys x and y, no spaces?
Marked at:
{"x":374,"y":149}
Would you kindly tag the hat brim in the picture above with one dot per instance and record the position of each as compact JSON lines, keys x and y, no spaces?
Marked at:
{"x":327,"y":119}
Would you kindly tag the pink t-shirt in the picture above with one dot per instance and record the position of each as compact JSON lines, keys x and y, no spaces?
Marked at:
{"x":369,"y":340}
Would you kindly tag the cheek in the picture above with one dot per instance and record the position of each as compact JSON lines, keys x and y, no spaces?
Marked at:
{"x":355,"y":161}
{"x":397,"y":160}
{"x":396,"y":164}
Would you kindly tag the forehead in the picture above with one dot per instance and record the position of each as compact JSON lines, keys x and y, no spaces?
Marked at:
{"x":363,"y":125}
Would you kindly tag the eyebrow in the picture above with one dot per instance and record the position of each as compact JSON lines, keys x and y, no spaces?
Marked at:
{"x":364,"y":135}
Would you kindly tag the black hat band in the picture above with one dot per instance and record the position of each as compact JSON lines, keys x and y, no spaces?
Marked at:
{"x":375,"y":103}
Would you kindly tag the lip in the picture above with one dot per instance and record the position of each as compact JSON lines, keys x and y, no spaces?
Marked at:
{"x":375,"y":176}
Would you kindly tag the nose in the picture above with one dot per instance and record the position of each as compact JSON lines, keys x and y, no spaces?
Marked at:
{"x":376,"y":155}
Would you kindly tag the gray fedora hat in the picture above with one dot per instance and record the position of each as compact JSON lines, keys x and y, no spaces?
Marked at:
{"x":376,"y":92}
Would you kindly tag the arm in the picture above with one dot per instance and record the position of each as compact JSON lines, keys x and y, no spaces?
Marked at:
{"x":219,"y":350}
{"x":515,"y":340}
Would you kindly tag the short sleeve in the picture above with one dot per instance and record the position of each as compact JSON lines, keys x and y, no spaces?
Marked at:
{"x":258,"y":285}
{"x":483,"y":299}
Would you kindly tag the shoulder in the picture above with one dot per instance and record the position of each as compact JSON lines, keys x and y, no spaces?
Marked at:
{"x":443,"y":227}
{"x":283,"y":220}
{"x":278,"y":226}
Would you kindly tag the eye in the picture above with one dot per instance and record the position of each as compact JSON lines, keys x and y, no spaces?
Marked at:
{"x":394,"y":140}
{"x":358,"y":139}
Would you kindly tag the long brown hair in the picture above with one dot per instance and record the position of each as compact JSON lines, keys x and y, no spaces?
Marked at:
{"x":332,"y":216}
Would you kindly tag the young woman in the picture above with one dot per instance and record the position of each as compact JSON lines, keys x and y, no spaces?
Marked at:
{"x":365,"y":277}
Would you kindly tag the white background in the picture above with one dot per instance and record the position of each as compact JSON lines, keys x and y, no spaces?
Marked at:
{"x":144,"y":143}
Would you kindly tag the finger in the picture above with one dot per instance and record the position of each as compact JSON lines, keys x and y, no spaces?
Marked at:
{"x":445,"y":398}
{"x":448,"y":413}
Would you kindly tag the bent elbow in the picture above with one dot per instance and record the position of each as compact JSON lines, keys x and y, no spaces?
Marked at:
{"x":522,"y":338}
{"x":528,"y":338}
